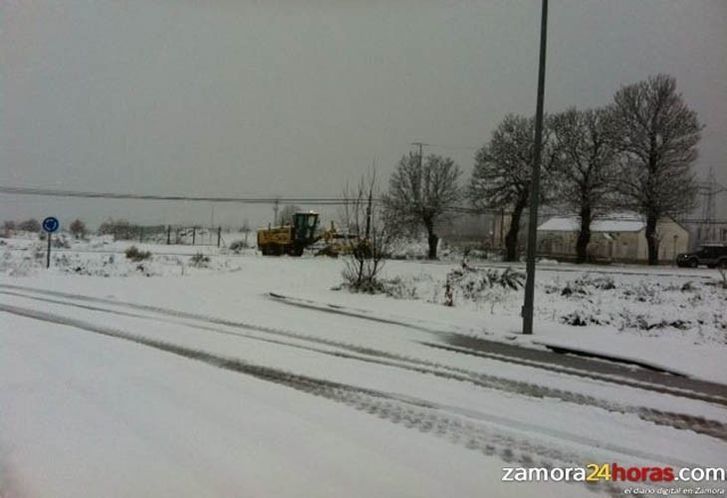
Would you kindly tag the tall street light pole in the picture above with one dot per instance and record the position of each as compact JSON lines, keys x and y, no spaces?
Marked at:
{"x":528,"y":306}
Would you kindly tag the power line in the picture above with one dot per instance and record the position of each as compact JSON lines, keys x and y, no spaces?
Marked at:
{"x":159,"y":197}
{"x":453,"y":147}
{"x":420,"y":145}
{"x":303,"y":201}
{"x":313,"y":201}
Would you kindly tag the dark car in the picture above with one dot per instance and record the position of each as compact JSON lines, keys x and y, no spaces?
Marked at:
{"x":711,"y":255}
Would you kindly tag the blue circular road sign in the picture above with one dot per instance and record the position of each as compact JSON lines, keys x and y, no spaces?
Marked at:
{"x":51,"y":224}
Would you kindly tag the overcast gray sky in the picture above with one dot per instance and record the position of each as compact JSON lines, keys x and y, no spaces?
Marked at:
{"x":228,"y":97}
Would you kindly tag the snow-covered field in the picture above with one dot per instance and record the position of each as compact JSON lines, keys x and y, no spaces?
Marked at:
{"x":252,"y":376}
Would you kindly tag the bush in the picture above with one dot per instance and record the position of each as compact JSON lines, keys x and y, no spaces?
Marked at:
{"x":134,"y":254}
{"x":120,"y":229}
{"x":237,"y":246}
{"x":78,"y":229}
{"x":573,"y":288}
{"x":602,"y":282}
{"x":473,"y":280}
{"x":199,"y":260}
{"x":399,"y":288}
{"x":580,"y":318}
{"x":61,"y":242}
{"x":31,"y":225}
{"x":580,"y":286}
{"x":362,"y":276}
{"x":641,"y":321}
{"x":723,"y":276}
{"x":644,"y":293}
{"x":481,"y":285}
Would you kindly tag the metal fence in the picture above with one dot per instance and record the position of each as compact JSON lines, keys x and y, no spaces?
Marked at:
{"x":167,"y":234}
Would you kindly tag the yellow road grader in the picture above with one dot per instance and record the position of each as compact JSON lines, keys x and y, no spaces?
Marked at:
{"x":293,"y":237}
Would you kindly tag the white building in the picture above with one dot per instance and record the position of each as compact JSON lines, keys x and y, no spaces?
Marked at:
{"x":617,"y":237}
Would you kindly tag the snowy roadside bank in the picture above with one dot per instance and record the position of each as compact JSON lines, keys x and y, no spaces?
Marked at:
{"x":674,"y":320}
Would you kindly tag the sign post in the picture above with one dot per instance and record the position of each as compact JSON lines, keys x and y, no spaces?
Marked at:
{"x":50,"y":225}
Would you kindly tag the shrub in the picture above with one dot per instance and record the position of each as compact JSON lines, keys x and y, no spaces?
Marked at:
{"x":472,"y":280}
{"x":723,"y":276}
{"x":399,"y":288}
{"x":583,"y":286}
{"x":579,"y":318}
{"x":61,"y":241}
{"x":641,"y":321}
{"x":603,"y":282}
{"x":199,"y":260}
{"x":31,"y":225}
{"x":120,"y":229}
{"x":644,"y":293}
{"x":572,"y":288}
{"x":134,"y":254}
{"x":687,"y":287}
{"x":481,"y":285}
{"x":237,"y":246}
{"x":362,"y":276}
{"x":78,"y":229}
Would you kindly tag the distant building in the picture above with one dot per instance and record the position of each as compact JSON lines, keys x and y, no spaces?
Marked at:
{"x":713,"y":232}
{"x":617,"y":237}
{"x":474,"y":228}
{"x":500,"y":225}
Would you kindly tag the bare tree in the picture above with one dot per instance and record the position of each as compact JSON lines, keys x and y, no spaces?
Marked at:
{"x":657,"y":135}
{"x":286,"y":214}
{"x":78,"y":228}
{"x":367,"y":236}
{"x":585,"y":169}
{"x":420,"y":192}
{"x":502,"y":172}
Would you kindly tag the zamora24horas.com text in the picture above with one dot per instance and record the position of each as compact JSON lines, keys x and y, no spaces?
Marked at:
{"x":595,"y":472}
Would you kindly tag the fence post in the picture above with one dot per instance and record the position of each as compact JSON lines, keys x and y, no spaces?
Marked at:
{"x":141,"y":234}
{"x":169,"y":234}
{"x":219,"y":235}
{"x":194,"y":235}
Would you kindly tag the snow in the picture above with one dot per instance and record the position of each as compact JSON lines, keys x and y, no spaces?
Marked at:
{"x":101,"y":256}
{"x":83,"y":429}
{"x":199,"y":383}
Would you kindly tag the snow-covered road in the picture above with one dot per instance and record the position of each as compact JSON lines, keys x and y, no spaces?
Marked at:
{"x":85,"y":415}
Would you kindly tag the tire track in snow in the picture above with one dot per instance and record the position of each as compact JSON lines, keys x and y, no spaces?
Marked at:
{"x":680,"y":421}
{"x":520,"y":358}
{"x":489,"y":435}
{"x":560,"y":269}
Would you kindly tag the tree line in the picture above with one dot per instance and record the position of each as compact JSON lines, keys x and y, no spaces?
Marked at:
{"x":77,"y":227}
{"x":635,"y":154}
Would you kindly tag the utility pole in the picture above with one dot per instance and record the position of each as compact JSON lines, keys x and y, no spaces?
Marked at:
{"x":528,"y":305}
{"x":369,"y":208}
{"x":708,"y":208}
{"x":275,"y":210}
{"x":421,"y":146}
